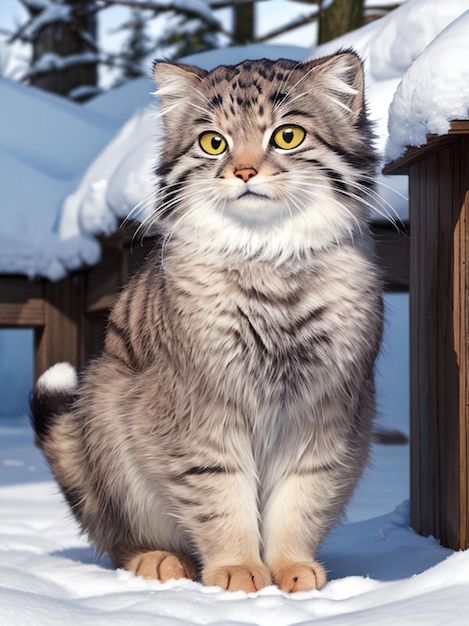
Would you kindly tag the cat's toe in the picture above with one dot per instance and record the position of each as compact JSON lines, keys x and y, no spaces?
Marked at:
{"x":161,"y":565}
{"x":300,"y":577}
{"x":248,"y":578}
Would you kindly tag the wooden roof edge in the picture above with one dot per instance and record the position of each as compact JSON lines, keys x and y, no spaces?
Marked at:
{"x":412,"y":153}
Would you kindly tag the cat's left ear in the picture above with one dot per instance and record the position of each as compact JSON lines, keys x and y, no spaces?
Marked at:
{"x":175,"y":82}
{"x":343,"y":79}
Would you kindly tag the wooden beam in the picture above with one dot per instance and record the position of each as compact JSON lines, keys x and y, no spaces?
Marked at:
{"x":21,"y":302}
{"x":434,"y":142}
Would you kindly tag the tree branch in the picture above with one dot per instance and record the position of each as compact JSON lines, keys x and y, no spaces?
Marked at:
{"x":306,"y":19}
{"x":166,"y":5}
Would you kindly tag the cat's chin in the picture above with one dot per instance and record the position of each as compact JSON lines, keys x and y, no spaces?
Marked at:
{"x":257,"y":211}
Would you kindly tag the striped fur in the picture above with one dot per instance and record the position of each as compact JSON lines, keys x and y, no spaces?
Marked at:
{"x":226,"y":423}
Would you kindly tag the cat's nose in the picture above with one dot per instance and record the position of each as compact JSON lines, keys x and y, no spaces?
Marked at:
{"x":245,"y":172}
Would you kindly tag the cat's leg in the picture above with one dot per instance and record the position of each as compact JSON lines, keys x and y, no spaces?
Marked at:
{"x":216,"y":496}
{"x":226,"y":532}
{"x":292,"y":532}
{"x":302,"y":507}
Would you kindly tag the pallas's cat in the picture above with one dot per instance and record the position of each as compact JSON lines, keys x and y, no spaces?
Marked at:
{"x":222,"y":430}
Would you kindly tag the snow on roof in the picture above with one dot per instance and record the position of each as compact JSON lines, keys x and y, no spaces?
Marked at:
{"x":434,"y":91}
{"x":45,"y":147}
{"x":50,"y":132}
{"x":131,"y":96}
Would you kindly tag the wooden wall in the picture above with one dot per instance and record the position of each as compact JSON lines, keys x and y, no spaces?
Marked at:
{"x":439,"y":335}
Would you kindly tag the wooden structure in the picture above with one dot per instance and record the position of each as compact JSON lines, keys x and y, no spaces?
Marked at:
{"x":439,"y":334}
{"x":69,"y":316}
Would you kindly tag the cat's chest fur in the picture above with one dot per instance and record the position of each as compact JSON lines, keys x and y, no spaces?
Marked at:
{"x":272,"y":330}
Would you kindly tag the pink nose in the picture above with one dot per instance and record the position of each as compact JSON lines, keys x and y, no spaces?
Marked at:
{"x":245,"y":173}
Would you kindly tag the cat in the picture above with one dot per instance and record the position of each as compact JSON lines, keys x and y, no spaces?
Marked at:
{"x":221,"y":432}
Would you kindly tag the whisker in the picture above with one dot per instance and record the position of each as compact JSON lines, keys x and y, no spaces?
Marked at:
{"x":384,"y":208}
{"x":318,"y":187}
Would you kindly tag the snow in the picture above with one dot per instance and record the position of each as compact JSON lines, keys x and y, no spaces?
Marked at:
{"x":380,"y":570}
{"x":434,"y":91}
{"x":44,"y":149}
{"x":51,"y":61}
{"x":51,"y":12}
{"x":199,"y":8}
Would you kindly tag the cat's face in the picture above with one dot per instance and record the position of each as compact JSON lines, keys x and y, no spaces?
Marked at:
{"x":265,"y":150}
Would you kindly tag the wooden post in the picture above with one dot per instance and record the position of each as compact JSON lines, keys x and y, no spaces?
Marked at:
{"x":439,"y":334}
{"x":61,"y":336}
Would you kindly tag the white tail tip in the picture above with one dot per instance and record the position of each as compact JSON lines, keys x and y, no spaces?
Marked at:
{"x":59,"y":377}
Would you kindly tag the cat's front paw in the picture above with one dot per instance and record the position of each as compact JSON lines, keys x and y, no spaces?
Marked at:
{"x":300,"y":576}
{"x":249,"y":577}
{"x":161,"y":565}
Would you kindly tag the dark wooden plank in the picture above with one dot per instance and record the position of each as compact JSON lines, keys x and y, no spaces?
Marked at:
{"x":439,"y":312}
{"x":21,"y":302}
{"x":104,"y":279}
{"x":416,"y":460}
{"x":445,"y":326}
{"x":62,"y":337}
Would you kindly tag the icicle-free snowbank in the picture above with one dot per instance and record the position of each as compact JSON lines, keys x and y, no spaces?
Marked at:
{"x":434,"y":91}
{"x":46,"y":142}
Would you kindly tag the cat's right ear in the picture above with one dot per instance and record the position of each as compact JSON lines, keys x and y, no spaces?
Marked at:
{"x":175,"y":83}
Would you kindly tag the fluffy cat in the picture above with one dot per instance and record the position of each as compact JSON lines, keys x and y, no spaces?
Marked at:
{"x":222,"y":430}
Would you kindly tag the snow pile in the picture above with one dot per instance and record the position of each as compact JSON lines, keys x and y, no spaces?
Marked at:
{"x":45,"y":146}
{"x":434,"y":91}
{"x":49,"y":576}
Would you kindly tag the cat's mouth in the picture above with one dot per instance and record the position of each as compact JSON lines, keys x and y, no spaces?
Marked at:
{"x":248,"y":193}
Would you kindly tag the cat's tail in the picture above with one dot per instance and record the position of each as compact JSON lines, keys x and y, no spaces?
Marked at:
{"x":53,"y":395}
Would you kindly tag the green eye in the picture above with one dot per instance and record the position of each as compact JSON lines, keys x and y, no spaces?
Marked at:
{"x":288,"y":137}
{"x":212,"y":143}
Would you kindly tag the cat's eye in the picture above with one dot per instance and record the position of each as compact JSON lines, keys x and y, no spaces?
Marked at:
{"x":212,"y":143}
{"x":288,"y":137}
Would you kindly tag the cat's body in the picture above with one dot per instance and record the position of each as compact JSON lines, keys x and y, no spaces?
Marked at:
{"x":229,"y":416}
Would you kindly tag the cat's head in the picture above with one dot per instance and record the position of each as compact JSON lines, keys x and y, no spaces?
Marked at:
{"x":269,"y":157}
